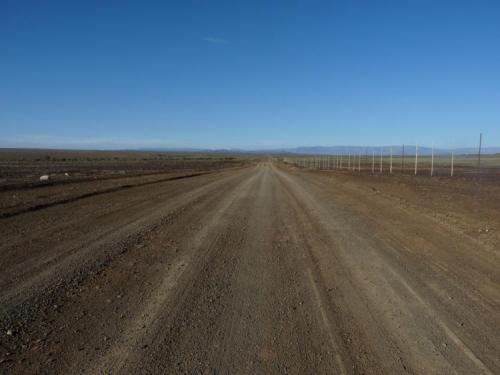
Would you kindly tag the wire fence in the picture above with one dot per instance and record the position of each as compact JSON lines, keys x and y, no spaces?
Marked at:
{"x":385,"y":162}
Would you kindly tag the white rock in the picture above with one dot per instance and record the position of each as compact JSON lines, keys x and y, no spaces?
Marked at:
{"x":44,"y":177}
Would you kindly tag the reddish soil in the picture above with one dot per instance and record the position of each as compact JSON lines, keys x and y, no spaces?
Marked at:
{"x":257,"y":269}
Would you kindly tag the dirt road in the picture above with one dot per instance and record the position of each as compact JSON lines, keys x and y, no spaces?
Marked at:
{"x":259,"y":270}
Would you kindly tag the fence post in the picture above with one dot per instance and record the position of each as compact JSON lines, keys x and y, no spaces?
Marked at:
{"x":452,"y":162}
{"x":373,"y":162}
{"x":479,"y":151}
{"x":390,"y":167}
{"x":416,"y":159}
{"x":403,"y":161}
{"x":432,"y":162}
{"x":359,"y":162}
{"x":381,"y":162}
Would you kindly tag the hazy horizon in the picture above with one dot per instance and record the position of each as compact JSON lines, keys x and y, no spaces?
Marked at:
{"x":305,"y":150}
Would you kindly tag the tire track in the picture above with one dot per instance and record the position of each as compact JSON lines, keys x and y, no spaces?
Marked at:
{"x":56,"y":269}
{"x":140,"y":329}
{"x":388,"y":291}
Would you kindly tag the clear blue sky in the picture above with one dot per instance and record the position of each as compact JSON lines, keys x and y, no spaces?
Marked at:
{"x":252,"y":74}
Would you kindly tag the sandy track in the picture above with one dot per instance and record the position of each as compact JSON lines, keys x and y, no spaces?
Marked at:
{"x":259,"y":270}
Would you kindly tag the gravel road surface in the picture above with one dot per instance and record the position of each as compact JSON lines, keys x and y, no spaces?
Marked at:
{"x":264,"y":269}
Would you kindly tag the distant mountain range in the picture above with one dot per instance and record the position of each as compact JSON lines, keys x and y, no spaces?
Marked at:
{"x":396,"y":150}
{"x":333,"y":150}
{"x":311,"y":150}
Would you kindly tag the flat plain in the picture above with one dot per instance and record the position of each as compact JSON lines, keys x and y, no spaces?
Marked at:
{"x":187,"y":264}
